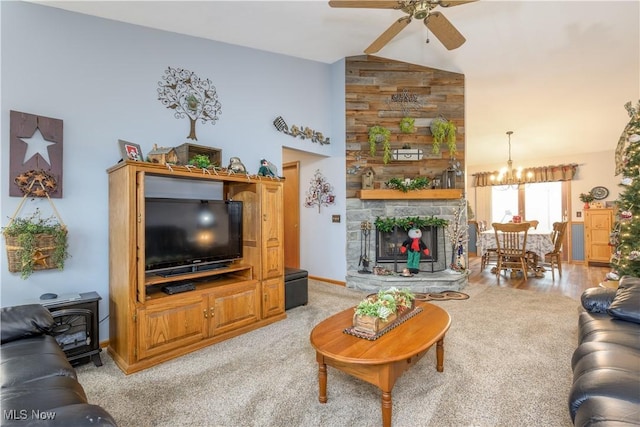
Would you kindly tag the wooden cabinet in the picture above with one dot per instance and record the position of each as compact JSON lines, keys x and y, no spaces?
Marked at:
{"x":170,"y":325}
{"x":232,"y":307}
{"x":273,"y":297}
{"x":598,"y":224}
{"x":147,"y":326}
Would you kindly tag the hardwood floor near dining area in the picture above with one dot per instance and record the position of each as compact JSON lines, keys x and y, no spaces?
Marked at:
{"x":575,"y":279}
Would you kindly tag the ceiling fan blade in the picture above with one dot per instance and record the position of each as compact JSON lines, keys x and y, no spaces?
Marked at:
{"x":451,"y":3}
{"x":444,"y":30}
{"x":369,"y":4}
{"x":389,"y":34}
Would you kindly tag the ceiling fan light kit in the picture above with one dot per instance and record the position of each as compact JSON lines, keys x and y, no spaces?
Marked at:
{"x":436,"y":22}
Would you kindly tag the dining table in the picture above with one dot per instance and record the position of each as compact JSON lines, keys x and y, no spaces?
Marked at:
{"x":539,"y":243}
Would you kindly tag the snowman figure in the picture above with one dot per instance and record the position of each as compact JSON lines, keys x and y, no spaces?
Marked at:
{"x":413,"y":246}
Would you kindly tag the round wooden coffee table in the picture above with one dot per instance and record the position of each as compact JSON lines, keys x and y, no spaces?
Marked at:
{"x":382,"y":361}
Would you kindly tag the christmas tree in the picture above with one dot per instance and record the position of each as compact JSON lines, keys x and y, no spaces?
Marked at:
{"x":626,"y":233}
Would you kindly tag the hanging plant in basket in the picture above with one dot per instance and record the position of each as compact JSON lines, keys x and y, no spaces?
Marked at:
{"x":443,"y":131}
{"x":35,"y":243}
{"x":380,"y":135}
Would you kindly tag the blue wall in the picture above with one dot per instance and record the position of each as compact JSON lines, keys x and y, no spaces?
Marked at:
{"x":577,"y":242}
{"x":100,"y":77}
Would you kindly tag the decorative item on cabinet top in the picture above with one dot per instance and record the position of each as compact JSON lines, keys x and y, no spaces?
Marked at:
{"x":162,"y":155}
{"x":130,"y":151}
{"x":267,"y":169}
{"x":302,"y":133}
{"x":187,"y":151}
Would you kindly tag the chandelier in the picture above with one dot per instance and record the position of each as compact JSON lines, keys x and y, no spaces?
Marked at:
{"x":508,"y":175}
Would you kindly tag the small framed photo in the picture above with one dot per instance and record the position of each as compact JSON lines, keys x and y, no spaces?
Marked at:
{"x":130,"y":151}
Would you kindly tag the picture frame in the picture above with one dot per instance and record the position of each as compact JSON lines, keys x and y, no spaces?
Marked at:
{"x":130,"y":151}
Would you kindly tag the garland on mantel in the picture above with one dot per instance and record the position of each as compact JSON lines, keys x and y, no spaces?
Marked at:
{"x":404,"y":185}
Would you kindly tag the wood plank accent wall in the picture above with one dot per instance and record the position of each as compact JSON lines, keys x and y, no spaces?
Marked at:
{"x":370,"y":83}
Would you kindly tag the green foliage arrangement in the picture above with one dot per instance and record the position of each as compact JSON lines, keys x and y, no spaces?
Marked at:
{"x":443,"y":131}
{"x":200,"y":160}
{"x":407,"y":125}
{"x":380,"y":135}
{"x":387,"y":225}
{"x":586,"y":197}
{"x":385,"y":303}
{"x":27,"y":231}
{"x":418,"y":183}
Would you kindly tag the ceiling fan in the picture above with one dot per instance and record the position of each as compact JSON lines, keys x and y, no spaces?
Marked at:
{"x":418,"y":9}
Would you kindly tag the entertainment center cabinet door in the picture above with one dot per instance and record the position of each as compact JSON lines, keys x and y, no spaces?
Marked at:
{"x":272,"y":297}
{"x":233,"y":307}
{"x":171,"y":325}
{"x":272,"y":230}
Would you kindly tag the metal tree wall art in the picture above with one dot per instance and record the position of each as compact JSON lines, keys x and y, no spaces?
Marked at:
{"x":189,"y":96}
{"x":320,"y":192}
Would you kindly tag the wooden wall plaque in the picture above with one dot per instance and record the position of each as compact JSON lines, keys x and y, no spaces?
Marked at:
{"x":24,"y":126}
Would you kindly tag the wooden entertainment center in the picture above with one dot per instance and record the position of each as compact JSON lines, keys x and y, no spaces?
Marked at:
{"x":147,"y":326}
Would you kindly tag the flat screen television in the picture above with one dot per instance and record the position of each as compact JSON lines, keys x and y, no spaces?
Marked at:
{"x":184,"y":235}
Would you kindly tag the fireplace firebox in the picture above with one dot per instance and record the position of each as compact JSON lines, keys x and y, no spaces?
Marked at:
{"x":388,"y":244}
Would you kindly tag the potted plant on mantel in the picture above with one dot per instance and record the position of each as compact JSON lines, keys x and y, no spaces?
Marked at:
{"x":443,"y":131}
{"x":380,"y":135}
{"x":377,"y":311}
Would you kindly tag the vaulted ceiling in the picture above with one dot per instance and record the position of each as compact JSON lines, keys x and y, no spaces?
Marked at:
{"x":557,"y":73}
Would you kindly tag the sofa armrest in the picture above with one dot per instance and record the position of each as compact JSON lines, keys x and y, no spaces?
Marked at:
{"x":597,"y":300}
{"x":626,"y":304}
{"x":23,"y":321}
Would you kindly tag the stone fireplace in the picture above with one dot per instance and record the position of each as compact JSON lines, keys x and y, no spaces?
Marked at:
{"x":434,"y":275}
{"x":388,"y":248}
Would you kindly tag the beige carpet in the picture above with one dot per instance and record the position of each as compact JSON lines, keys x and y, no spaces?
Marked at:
{"x":507,"y":363}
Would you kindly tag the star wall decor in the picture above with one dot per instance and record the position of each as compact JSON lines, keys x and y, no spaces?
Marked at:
{"x":35,"y":144}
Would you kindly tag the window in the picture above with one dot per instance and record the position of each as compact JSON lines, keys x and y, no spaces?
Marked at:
{"x":504,"y":203}
{"x":543,"y":201}
{"x":540,"y":201}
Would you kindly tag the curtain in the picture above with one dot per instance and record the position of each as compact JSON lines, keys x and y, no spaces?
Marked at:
{"x":534,"y":174}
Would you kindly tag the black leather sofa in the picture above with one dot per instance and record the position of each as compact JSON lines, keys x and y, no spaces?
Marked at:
{"x":606,"y":364}
{"x":39,"y":386}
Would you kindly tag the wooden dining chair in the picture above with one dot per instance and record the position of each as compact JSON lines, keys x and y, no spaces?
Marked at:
{"x":511,"y":240}
{"x":554,"y":258}
{"x":490,"y":255}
